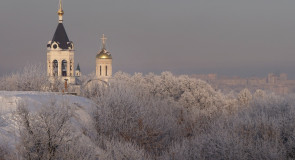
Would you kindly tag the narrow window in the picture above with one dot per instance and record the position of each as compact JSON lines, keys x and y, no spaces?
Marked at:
{"x":106,"y":70}
{"x":55,"y":68}
{"x":99,"y":70}
{"x":64,"y":68}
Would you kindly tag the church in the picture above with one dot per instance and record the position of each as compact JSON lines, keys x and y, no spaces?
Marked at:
{"x":61,"y":57}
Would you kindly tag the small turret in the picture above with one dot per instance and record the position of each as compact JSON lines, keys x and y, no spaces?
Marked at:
{"x":78,"y":71}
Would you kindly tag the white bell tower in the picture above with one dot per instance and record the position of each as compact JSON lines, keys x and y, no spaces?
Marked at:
{"x":104,"y":59}
{"x":60,"y":53}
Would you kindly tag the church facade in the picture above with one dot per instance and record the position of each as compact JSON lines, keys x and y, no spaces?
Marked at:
{"x":61,"y":57}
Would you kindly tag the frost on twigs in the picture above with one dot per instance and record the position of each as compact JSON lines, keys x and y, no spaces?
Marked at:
{"x":48,"y":134}
{"x":30,"y":78}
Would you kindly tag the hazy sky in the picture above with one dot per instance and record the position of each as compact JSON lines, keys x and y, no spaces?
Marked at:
{"x":228,"y":37}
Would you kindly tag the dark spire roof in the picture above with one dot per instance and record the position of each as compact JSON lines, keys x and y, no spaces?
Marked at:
{"x":61,"y":37}
{"x":78,"y":67}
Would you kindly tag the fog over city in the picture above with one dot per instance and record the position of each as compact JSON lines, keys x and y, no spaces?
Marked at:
{"x":228,"y":37}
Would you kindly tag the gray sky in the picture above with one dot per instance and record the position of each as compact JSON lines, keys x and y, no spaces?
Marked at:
{"x":228,"y":37}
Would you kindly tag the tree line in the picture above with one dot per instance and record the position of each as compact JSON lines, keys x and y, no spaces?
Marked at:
{"x":153,"y":117}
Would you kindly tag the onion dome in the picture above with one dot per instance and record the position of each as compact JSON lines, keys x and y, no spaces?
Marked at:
{"x":104,"y":54}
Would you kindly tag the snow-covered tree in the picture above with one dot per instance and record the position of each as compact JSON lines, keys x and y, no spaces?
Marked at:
{"x":48,"y":134}
{"x":259,"y":95}
{"x":160,"y":117}
{"x":30,"y":78}
{"x":123,"y":150}
{"x":244,"y":97}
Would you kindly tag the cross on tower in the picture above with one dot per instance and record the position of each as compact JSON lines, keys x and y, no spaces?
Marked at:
{"x":103,"y":41}
{"x":60,"y":12}
{"x":60,"y":5}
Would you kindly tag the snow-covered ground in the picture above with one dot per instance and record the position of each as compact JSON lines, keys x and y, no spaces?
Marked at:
{"x":9,"y":101}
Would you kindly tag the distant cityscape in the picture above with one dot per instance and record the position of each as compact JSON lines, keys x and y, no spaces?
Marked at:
{"x":276,"y":83}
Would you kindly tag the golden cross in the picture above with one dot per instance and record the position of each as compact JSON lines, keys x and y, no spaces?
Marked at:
{"x":60,"y":5}
{"x":103,"y":41}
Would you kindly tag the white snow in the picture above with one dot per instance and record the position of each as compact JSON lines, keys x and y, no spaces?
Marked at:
{"x":34,"y":100}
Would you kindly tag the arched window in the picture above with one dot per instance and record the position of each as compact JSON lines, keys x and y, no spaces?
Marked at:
{"x":106,"y":70}
{"x":55,"y":68}
{"x":64,"y":68}
{"x":99,"y":70}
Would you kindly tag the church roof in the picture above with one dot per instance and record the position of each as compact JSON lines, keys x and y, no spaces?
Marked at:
{"x":78,"y":67}
{"x":104,"y":54}
{"x":61,"y":37}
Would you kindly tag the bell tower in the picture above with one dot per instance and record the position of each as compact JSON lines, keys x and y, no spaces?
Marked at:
{"x":60,"y":53}
{"x":104,"y":62}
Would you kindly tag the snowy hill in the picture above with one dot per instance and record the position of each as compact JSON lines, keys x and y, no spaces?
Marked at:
{"x":9,"y":129}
